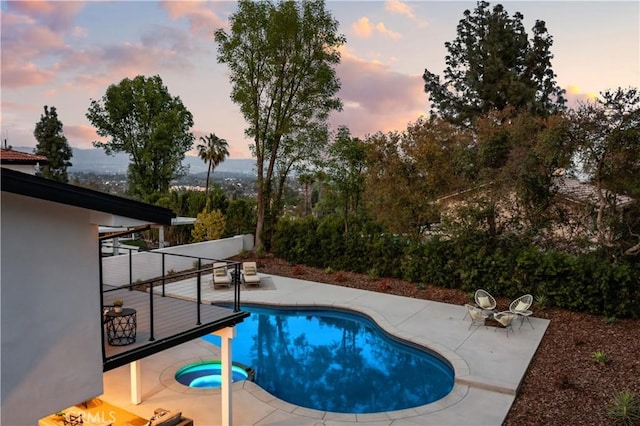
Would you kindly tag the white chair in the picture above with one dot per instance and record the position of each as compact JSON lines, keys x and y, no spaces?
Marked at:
{"x":220,"y":276}
{"x":250,"y":274}
{"x":483,"y":301}
{"x":478,"y":316}
{"x":505,"y":319}
{"x":521,"y":306}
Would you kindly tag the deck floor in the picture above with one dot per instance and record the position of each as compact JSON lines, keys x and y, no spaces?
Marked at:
{"x":172,"y":316}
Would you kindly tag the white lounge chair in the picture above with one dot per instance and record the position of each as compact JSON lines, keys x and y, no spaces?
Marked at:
{"x":521,"y":306}
{"x":220,"y":276}
{"x":250,"y":274}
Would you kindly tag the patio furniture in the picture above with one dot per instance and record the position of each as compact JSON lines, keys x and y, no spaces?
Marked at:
{"x":162,"y":417}
{"x":521,"y":306}
{"x":478,"y":315}
{"x":220,"y":276}
{"x":121,"y":327}
{"x":505,"y":319}
{"x":250,"y":274}
{"x":483,"y":301}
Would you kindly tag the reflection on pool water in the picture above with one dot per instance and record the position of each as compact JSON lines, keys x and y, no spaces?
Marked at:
{"x":336,"y":361}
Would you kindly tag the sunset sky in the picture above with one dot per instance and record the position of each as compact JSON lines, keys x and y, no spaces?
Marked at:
{"x":65,"y":53}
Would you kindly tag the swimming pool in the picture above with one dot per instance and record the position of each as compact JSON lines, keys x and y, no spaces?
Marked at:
{"x":336,"y":361}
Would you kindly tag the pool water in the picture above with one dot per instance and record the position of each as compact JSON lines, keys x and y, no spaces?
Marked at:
{"x":336,"y":361}
{"x":207,"y":374}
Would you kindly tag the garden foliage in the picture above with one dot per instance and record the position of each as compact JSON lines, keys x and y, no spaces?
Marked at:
{"x":504,"y":265}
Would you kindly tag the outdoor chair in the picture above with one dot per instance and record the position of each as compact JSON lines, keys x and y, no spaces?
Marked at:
{"x":220,"y":276}
{"x":483,"y":301}
{"x":478,"y":316}
{"x":521,"y":306}
{"x":505,"y":319}
{"x":250,"y":274}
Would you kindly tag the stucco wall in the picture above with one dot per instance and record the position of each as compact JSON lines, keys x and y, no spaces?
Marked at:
{"x":50,"y":314}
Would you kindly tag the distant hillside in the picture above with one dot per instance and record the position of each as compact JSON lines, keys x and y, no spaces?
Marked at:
{"x":95,"y":160}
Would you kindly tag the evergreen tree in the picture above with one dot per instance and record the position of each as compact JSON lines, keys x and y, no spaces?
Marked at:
{"x":492,"y":65}
{"x":52,"y":144}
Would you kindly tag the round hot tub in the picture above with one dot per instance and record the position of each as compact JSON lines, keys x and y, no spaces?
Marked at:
{"x":208,"y":374}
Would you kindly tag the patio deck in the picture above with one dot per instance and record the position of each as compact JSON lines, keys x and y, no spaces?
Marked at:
{"x":173,"y":316}
{"x":489,"y":366}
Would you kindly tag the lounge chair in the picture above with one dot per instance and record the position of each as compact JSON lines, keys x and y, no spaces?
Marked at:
{"x":521,"y":306}
{"x":505,"y":319}
{"x":220,"y":276}
{"x":478,"y":315}
{"x":250,"y":274}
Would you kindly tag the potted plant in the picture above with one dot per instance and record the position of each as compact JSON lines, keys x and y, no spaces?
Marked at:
{"x":117,"y":305}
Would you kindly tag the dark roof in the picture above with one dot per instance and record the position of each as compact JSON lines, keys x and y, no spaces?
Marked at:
{"x":9,"y":156}
{"x":57,"y":192}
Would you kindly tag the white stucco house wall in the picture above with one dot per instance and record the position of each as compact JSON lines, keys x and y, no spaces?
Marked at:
{"x":50,"y":300}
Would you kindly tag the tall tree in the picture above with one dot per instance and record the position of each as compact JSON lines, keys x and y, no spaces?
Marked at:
{"x":212,"y":151}
{"x":346,"y":170}
{"x":52,"y":143}
{"x":142,"y":119}
{"x":607,"y":133}
{"x":492,"y":65}
{"x":281,"y":59}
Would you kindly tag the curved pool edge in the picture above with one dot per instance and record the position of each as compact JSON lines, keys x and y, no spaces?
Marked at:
{"x":460,"y":367}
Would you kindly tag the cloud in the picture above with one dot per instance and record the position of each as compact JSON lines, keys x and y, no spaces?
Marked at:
{"x":402,"y":8}
{"x":81,"y":136}
{"x":376,"y":98}
{"x":203,"y":19}
{"x":384,"y":30}
{"x":575,"y":96}
{"x":16,"y":75}
{"x":364,"y":28}
{"x":55,"y":15}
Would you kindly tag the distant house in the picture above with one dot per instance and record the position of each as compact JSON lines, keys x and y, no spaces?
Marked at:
{"x":21,"y":161}
{"x":578,"y":200}
{"x":51,"y":317}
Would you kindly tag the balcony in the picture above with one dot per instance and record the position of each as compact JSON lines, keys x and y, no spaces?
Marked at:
{"x":162,"y":321}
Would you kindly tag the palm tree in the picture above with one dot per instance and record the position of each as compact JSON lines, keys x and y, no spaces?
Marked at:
{"x":212,"y":151}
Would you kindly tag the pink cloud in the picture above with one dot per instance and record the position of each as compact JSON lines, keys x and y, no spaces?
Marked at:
{"x":17,"y":75}
{"x":81,"y":136}
{"x":376,"y":98}
{"x":364,"y":28}
{"x":203,"y":19}
{"x":56,"y":15}
{"x":402,"y":8}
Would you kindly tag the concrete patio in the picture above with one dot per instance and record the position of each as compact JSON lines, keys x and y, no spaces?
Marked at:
{"x":489,"y":366}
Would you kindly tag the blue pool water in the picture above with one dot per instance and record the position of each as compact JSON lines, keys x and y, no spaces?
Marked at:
{"x":207,"y":374}
{"x":336,"y":361}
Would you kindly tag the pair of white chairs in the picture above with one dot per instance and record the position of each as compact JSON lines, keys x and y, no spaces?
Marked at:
{"x":221,"y":277}
{"x":486,"y":304}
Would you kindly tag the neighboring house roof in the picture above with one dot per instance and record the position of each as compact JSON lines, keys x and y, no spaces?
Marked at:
{"x":9,"y":156}
{"x":57,"y":192}
{"x":585,"y":193}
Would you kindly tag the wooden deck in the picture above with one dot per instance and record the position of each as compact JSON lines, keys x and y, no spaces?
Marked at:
{"x":174,"y":322}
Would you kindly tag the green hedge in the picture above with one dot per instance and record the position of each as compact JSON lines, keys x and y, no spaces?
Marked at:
{"x":505,"y":266}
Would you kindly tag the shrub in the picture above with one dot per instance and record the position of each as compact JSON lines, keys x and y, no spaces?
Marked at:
{"x":328,"y":270}
{"x":600,"y":357}
{"x":373,"y":274}
{"x":625,"y":409}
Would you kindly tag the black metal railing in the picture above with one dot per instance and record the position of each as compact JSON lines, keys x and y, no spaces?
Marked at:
{"x":169,"y":267}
